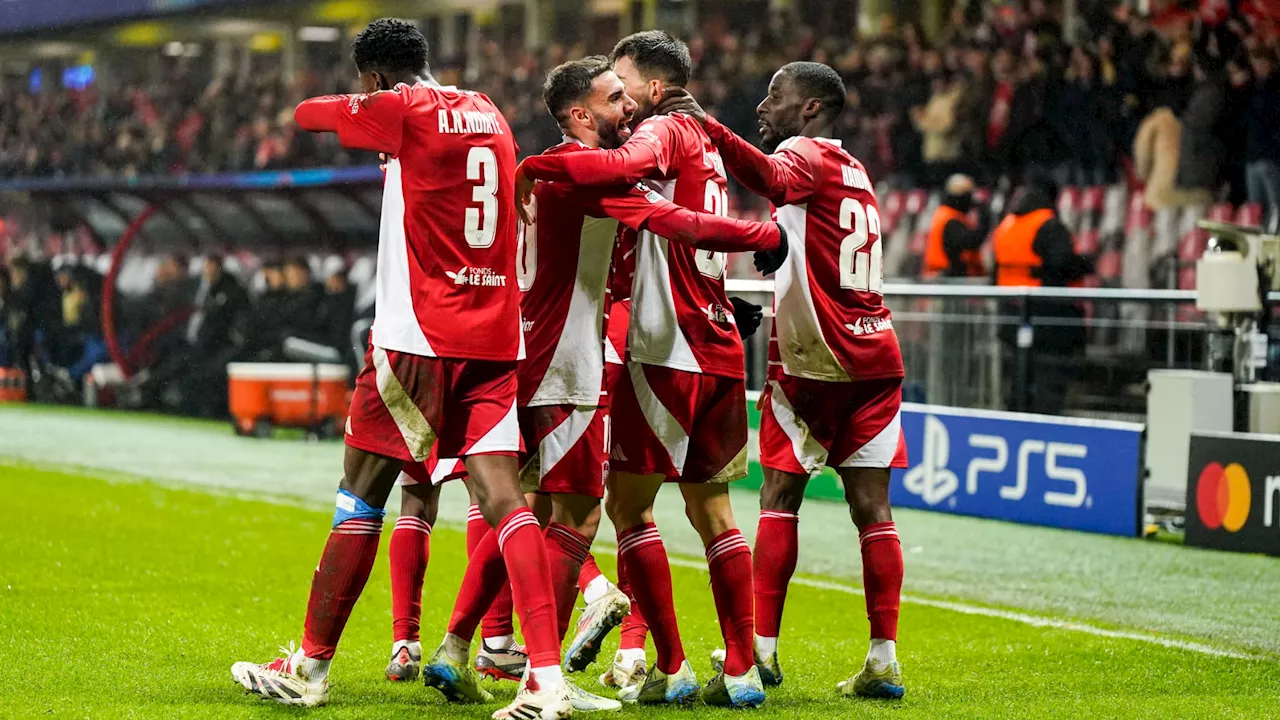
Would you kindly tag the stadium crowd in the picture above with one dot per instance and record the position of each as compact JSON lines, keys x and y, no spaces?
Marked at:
{"x":1002,"y":87}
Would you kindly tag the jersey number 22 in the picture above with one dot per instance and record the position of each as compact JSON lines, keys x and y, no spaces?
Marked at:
{"x":861,"y":272}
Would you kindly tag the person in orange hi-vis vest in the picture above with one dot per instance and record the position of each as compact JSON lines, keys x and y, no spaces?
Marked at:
{"x":956,"y":233}
{"x":1033,"y":248}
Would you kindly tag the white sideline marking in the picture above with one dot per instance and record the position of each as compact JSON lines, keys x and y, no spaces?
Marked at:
{"x":966,"y":609}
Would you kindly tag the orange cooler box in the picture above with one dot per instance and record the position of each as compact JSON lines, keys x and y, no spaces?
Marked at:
{"x":287,"y":394}
{"x":13,"y":385}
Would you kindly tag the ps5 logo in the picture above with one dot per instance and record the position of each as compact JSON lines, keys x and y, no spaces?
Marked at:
{"x":935,"y":482}
{"x":931,"y":479}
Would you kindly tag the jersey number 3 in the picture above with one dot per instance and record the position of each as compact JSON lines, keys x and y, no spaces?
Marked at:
{"x":861,"y":271}
{"x":481,"y":224}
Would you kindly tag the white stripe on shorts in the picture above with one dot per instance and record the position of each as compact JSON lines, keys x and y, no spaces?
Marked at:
{"x":661,"y":422}
{"x":807,"y":450}
{"x":413,"y":425}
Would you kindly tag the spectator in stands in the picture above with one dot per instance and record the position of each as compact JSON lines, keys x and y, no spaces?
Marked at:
{"x":1201,"y":151}
{"x":936,"y":121}
{"x":159,"y":318}
{"x":194,"y":379}
{"x":302,"y":308}
{"x":973,"y":109}
{"x":1082,"y":120}
{"x":32,"y":311}
{"x":956,"y":233}
{"x":79,"y":344}
{"x":1030,"y":138}
{"x":1262,"y":136}
{"x":1033,"y":248}
{"x":337,"y":312}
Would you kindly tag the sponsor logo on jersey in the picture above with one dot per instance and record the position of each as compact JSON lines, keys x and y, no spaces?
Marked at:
{"x":354,"y":103}
{"x":526,"y":325}
{"x":869,"y":326}
{"x":717,"y":313}
{"x":478,"y":277}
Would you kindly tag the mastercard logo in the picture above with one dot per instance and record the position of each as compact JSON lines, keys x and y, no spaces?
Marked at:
{"x":1223,"y":496}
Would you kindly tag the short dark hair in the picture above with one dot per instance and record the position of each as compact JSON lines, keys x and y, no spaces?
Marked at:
{"x":815,"y":80}
{"x":299,"y":263}
{"x":658,"y":54}
{"x":389,"y":45}
{"x":569,"y":82}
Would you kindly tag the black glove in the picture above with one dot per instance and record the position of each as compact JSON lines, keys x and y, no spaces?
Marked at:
{"x":768,"y":261}
{"x":746,"y":316}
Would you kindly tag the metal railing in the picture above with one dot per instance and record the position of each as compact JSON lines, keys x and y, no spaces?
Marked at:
{"x":1079,"y":351}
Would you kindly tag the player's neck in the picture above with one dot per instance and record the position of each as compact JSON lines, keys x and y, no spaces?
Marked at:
{"x":412,"y":78}
{"x":585,"y":137}
{"x":816,"y":129}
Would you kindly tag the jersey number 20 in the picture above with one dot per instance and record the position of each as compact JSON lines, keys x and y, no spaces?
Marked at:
{"x":481,"y":224}
{"x":709,"y":262}
{"x":861,"y":272}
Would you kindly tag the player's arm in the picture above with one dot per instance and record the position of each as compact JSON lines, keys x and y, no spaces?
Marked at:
{"x":783,"y":178}
{"x":644,"y":209}
{"x":649,"y":152}
{"x":362,"y":122}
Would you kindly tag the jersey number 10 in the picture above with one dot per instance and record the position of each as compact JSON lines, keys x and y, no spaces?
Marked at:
{"x":861,"y":271}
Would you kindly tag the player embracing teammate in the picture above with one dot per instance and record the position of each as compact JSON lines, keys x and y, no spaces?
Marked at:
{"x":441,"y":372}
{"x":835,"y":369}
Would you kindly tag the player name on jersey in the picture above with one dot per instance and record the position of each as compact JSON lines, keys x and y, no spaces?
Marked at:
{"x":468,"y":121}
{"x":855,"y":178}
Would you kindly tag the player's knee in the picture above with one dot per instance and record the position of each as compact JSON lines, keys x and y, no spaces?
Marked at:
{"x":868,"y":496}
{"x":709,"y":510}
{"x":352,"y":507}
{"x":782,"y":492}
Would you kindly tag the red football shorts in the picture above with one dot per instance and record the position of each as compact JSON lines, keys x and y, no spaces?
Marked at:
{"x":806,"y":424}
{"x":434,"y":470}
{"x":403,"y":403}
{"x":567,"y":449}
{"x":688,"y":426}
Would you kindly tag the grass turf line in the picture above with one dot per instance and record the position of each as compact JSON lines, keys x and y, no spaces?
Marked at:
{"x":132,"y":600}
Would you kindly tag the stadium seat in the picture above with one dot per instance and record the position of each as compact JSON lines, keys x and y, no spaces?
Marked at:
{"x":1086,"y":242}
{"x":1069,"y":207}
{"x":1249,"y":214}
{"x":1109,"y":266}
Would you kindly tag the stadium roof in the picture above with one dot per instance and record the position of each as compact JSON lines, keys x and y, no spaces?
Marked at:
{"x":24,"y":16}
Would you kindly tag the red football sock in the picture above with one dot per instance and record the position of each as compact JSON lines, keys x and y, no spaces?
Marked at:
{"x":590,"y":571}
{"x":525,"y":554}
{"x":476,"y":528}
{"x":777,"y":548}
{"x":882,"y":578}
{"x":338,"y":581}
{"x":729,"y":559}
{"x":649,"y":575}
{"x":497,"y":620}
{"x":567,"y":550}
{"x":409,"y":552}
{"x":485,"y":576}
{"x":634,"y":629}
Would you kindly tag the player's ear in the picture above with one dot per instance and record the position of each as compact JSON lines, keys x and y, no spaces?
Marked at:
{"x":811,"y":108}
{"x":655,"y":91}
{"x":580,"y":114}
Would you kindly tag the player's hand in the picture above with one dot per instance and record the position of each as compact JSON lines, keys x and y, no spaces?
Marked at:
{"x":767,"y":262}
{"x":382,"y":159}
{"x":746,"y":316}
{"x":678,"y":100}
{"x":525,"y":207}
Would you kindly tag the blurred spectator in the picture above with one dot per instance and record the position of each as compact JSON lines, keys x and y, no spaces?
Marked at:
{"x":303,"y":304}
{"x":956,"y":233}
{"x":1082,"y":121}
{"x":1262,"y":134}
{"x":193,"y":379}
{"x":32,"y":313}
{"x":337,"y":312}
{"x":1201,"y":151}
{"x":936,"y":120}
{"x":78,"y":344}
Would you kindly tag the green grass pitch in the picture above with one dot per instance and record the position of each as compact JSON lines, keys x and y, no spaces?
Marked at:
{"x":129,"y":599}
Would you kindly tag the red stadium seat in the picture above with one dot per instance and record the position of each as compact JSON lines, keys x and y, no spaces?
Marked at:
{"x":1249,"y":214}
{"x":1069,"y":207}
{"x":1139,"y":215}
{"x":1187,"y":278}
{"x":1222,"y":212}
{"x":1108,"y":267}
{"x":1086,"y":242}
{"x":1192,"y":245}
{"x":890,"y":210}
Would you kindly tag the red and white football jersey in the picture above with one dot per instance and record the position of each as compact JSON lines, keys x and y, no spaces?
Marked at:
{"x":446,"y":279}
{"x":680,"y":315}
{"x":830,"y":319}
{"x":564,"y":271}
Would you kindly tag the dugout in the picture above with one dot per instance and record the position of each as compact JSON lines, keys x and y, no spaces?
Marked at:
{"x":119,"y":227}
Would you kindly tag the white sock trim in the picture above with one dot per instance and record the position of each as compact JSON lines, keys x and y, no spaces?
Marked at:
{"x":766,"y":646}
{"x":882,"y":654}
{"x":595,"y":589}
